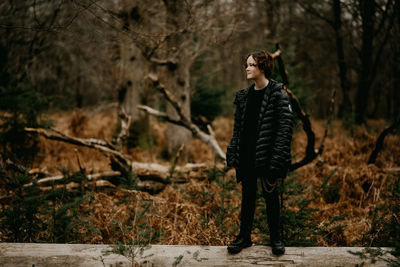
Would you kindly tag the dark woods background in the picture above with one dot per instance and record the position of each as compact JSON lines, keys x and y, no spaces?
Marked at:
{"x":83,"y":53}
{"x":62,"y":57}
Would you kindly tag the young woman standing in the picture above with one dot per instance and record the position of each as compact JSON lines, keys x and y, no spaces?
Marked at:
{"x":260,"y":147}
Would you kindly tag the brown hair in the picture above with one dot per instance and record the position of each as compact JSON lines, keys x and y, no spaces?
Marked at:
{"x":264,"y":62}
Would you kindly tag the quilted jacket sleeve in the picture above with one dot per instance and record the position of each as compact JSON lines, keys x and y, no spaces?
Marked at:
{"x":231,"y":152}
{"x":280,"y":157}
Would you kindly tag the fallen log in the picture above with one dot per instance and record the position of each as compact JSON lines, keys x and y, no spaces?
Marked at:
{"x":151,"y":177}
{"x":40,"y":254}
{"x":73,"y":186}
{"x":121,"y":162}
{"x":90,"y":177}
{"x":101,"y":145}
{"x":162,"y":172}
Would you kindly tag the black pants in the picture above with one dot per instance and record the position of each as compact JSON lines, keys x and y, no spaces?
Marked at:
{"x":249,"y":193}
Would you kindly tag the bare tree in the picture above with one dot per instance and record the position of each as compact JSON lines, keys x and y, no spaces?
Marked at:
{"x":363,"y":28}
{"x":180,"y":31}
{"x":55,"y":47}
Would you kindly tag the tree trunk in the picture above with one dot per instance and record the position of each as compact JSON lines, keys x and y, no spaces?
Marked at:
{"x":396,"y":64}
{"x":272,"y":18}
{"x":344,"y":107}
{"x":132,"y":70}
{"x":396,"y":84}
{"x":367,"y":9}
{"x":176,"y":77}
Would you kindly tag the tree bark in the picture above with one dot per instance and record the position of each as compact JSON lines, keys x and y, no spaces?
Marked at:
{"x":272,"y":18}
{"x":396,"y":63}
{"x":182,"y":121}
{"x":132,"y":65}
{"x":176,"y":77}
{"x":367,"y":9}
{"x":396,"y":85}
{"x":344,"y":107}
{"x":281,"y":65}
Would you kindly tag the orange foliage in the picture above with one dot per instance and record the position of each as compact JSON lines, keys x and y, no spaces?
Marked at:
{"x":183,"y":211}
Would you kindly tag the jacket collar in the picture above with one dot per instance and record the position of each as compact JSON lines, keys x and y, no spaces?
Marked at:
{"x":271,"y":86}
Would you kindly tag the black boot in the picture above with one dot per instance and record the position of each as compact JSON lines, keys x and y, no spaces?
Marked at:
{"x":278,"y":248}
{"x":241,"y":242}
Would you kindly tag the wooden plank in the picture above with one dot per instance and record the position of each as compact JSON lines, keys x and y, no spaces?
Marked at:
{"x":29,"y":254}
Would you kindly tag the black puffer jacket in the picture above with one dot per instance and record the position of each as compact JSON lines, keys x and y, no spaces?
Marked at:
{"x":274,"y":134}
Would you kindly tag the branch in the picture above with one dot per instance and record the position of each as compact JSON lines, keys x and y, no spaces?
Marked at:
{"x":162,"y":62}
{"x":281,"y":65}
{"x":383,"y":17}
{"x":381,"y":47}
{"x":151,"y":177}
{"x":90,"y":177}
{"x":91,"y":143}
{"x":379,"y":141}
{"x":311,"y":153}
{"x":314,"y":12}
{"x":184,"y":121}
{"x":160,"y":114}
{"x":209,"y":139}
{"x":72,"y":186}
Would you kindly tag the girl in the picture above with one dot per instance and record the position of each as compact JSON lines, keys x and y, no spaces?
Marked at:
{"x":260,"y":147}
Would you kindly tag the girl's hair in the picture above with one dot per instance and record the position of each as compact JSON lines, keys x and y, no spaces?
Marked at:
{"x":264,"y":62}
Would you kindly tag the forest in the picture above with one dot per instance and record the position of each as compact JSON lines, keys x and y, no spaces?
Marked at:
{"x":115,"y":117}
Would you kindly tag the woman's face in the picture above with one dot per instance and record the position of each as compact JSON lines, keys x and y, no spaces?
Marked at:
{"x":253,"y":72}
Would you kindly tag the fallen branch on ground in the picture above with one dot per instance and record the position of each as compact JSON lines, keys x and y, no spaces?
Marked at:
{"x":149,"y":174}
{"x":152,"y":177}
{"x":91,"y":142}
{"x":90,"y":177}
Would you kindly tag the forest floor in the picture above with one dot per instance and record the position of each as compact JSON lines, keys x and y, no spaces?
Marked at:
{"x":342,"y":188}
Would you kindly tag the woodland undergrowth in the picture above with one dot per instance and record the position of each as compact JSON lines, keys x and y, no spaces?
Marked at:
{"x":337,"y":200}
